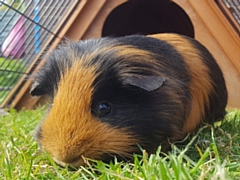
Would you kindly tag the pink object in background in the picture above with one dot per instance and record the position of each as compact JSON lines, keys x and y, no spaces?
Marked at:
{"x":14,"y":43}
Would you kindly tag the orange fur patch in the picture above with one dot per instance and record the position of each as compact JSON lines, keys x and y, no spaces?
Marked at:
{"x":200,"y":85}
{"x":70,"y":131}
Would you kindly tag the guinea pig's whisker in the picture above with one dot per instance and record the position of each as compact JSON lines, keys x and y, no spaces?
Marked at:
{"x":123,"y":155}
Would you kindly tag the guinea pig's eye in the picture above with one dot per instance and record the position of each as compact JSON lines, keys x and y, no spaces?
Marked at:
{"x":104,"y":109}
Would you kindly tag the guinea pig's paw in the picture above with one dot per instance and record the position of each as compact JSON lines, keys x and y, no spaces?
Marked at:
{"x":58,"y":162}
{"x":73,"y":162}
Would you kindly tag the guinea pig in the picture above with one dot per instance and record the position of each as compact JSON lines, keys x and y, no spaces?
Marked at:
{"x":111,"y":96}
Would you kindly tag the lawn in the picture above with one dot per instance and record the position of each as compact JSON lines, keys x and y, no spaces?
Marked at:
{"x":10,"y":71}
{"x":213,"y":153}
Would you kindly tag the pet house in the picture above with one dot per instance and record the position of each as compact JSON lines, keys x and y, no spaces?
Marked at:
{"x":215,"y":23}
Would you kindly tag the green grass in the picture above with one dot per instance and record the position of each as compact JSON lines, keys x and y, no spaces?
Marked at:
{"x":213,"y":153}
{"x":10,"y":71}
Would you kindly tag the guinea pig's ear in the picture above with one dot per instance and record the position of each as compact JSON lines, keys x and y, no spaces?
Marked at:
{"x":148,"y":83}
{"x":36,"y":89}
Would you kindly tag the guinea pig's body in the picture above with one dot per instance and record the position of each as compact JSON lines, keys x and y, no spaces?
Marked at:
{"x":111,"y":95}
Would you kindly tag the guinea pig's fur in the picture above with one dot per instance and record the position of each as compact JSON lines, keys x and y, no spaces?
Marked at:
{"x":112,"y":95}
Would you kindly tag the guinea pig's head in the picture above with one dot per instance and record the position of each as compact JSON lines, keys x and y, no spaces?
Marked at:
{"x":103,"y":102}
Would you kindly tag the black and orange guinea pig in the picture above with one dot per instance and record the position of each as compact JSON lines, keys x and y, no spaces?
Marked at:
{"x":112,"y":95}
